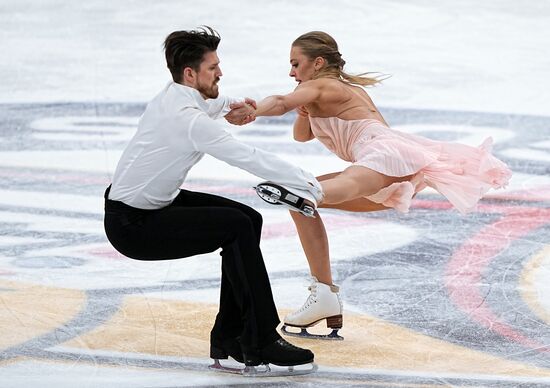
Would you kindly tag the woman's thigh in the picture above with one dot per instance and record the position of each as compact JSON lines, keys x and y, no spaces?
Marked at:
{"x":355,"y":182}
{"x":356,"y":205}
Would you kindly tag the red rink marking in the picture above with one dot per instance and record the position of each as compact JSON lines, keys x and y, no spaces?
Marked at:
{"x":105,"y":251}
{"x":464,"y":272}
{"x":4,"y":272}
{"x":36,"y":175}
{"x":541,"y":193}
{"x":333,"y":222}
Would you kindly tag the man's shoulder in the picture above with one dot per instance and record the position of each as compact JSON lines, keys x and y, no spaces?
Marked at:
{"x":171,"y":100}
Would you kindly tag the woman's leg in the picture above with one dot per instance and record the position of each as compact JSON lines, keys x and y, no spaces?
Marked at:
{"x":314,"y":240}
{"x":361,"y":205}
{"x":313,"y":235}
{"x":354,"y":183}
{"x":324,"y":301}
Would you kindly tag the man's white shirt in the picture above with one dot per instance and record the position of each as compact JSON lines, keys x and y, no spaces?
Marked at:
{"x":177,"y":128}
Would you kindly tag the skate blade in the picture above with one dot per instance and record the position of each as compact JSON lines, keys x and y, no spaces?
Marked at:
{"x":270,"y":197}
{"x":333,"y":336}
{"x":218,"y":367}
{"x":280,"y":371}
{"x":273,"y":197}
{"x":265,"y":370}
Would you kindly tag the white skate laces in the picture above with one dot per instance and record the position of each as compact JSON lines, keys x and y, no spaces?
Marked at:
{"x":312,"y":298}
{"x":323,"y":303}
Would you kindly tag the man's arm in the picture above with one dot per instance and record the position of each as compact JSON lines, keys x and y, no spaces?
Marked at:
{"x":210,"y":137}
{"x":218,"y":107}
{"x":221,"y":106}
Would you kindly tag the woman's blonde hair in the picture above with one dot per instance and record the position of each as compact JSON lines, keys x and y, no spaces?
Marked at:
{"x":320,"y":44}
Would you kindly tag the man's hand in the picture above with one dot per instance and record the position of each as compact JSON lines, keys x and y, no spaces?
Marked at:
{"x":242,"y":112}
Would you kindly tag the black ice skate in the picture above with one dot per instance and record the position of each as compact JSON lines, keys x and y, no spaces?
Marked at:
{"x":297,"y":200}
{"x":287,"y":360}
{"x":222,"y":350}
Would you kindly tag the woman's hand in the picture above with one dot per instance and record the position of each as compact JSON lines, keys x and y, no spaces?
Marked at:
{"x":242,"y":112}
{"x":302,"y":111}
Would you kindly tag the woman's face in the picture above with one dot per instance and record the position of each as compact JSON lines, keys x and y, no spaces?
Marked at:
{"x":301,"y":67}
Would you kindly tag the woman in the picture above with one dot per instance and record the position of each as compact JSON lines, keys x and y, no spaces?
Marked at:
{"x":388,"y":167}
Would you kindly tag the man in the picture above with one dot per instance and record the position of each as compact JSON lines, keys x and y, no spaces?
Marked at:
{"x":148,"y":216}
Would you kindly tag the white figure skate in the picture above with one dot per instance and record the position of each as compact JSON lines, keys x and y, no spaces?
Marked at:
{"x":323,"y":303}
{"x":297,"y":200}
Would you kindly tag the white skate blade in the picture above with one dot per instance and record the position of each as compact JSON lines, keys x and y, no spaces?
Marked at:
{"x":333,"y":336}
{"x":217,"y":367}
{"x":279,"y":371}
{"x":273,"y":196}
{"x":265,"y":370}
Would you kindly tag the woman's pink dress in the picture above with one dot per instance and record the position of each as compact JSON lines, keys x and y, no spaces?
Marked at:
{"x":463,"y":174}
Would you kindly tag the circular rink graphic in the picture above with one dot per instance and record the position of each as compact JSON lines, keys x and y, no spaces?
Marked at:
{"x":426,"y":294}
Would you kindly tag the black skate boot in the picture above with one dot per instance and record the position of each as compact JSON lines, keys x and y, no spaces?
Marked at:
{"x":283,"y":353}
{"x":222,"y":349}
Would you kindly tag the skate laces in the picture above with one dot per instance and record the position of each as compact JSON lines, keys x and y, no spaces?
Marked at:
{"x":284,"y":343}
{"x":312,"y":298}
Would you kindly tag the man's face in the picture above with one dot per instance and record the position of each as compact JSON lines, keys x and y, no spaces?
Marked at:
{"x":209,"y":74}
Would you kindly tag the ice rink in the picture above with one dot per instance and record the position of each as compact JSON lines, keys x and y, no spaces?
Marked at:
{"x":431,"y":298}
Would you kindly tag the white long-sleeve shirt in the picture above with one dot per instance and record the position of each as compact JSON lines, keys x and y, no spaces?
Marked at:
{"x":177,"y":128}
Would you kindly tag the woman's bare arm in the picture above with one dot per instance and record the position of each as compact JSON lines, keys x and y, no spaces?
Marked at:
{"x":278,"y":105}
{"x":302,"y":130}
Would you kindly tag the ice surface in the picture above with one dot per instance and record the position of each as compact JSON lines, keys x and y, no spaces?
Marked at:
{"x":431,"y":298}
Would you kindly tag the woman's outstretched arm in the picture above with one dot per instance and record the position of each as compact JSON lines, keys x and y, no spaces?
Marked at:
{"x":278,"y":105}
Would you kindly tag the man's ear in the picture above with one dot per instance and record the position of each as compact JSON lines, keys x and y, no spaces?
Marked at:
{"x":189,"y":76}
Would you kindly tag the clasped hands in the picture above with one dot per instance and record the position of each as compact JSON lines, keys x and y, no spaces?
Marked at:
{"x":242,"y":112}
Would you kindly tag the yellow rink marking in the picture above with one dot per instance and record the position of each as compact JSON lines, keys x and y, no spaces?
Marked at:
{"x":179,"y":328}
{"x":28,"y":310}
{"x":530,"y":288}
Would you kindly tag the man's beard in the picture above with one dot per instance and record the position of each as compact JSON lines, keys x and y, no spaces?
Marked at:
{"x":210,"y":91}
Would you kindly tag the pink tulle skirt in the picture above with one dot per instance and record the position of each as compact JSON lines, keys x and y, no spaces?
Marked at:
{"x":463,"y":174}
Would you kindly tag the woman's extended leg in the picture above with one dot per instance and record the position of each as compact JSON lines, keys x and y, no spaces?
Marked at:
{"x":355,"y":182}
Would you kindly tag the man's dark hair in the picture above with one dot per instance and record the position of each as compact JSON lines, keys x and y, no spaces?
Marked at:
{"x":187,"y":48}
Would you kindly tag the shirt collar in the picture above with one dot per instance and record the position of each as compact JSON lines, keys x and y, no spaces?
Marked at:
{"x":191,"y":93}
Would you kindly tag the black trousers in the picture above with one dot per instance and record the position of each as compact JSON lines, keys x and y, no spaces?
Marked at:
{"x":198,"y":223}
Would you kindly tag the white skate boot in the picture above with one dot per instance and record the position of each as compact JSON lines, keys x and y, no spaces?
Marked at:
{"x":302,"y":201}
{"x":323,"y":303}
